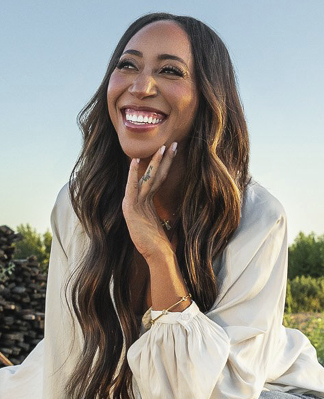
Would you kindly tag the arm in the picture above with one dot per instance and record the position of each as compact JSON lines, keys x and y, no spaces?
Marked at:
{"x":174,"y":360}
{"x":167,"y":284}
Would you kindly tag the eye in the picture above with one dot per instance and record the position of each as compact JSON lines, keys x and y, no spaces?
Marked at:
{"x":126,"y":64}
{"x":172,"y":70}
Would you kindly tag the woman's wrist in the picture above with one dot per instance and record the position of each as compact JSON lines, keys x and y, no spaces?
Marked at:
{"x":167,"y":283}
{"x":165,"y":256}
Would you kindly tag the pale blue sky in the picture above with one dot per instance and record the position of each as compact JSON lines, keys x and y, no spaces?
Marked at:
{"x":54,"y":55}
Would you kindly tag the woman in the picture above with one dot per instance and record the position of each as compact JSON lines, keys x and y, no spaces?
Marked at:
{"x":172,"y":260}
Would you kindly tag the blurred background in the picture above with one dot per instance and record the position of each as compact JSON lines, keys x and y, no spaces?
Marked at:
{"x":54,"y":55}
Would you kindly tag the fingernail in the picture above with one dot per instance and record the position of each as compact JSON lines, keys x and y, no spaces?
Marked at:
{"x":138,"y":160}
{"x":174,"y":147}
{"x":162,"y":149}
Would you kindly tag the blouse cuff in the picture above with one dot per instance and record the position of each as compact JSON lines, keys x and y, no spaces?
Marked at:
{"x":183,"y":317}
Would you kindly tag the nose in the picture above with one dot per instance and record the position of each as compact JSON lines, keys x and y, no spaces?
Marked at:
{"x":144,"y":85}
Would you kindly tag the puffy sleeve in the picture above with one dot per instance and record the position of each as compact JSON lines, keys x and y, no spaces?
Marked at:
{"x":229,"y":351}
{"x":62,"y":338}
{"x":44,"y":372}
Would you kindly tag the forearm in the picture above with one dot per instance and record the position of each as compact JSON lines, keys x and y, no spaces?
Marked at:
{"x":167,"y":283}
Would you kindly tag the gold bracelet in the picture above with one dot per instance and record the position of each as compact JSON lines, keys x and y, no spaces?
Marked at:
{"x":165,"y":311}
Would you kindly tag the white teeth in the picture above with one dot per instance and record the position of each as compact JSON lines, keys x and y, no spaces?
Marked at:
{"x":142,"y":119}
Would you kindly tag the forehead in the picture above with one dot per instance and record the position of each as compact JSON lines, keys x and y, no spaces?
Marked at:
{"x":162,"y":37}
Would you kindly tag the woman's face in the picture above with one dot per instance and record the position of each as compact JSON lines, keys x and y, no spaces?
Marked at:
{"x":152,"y":94}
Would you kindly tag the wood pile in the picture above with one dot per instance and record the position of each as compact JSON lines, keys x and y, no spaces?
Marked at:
{"x":22,"y":300}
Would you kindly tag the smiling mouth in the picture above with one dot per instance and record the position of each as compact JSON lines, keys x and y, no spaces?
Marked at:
{"x":142,"y":118}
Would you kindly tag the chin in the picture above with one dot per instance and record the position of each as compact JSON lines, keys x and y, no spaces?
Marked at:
{"x":143,"y":152}
{"x":139,"y":154}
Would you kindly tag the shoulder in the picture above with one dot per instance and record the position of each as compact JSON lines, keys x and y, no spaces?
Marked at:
{"x":263,"y":223}
{"x":260,"y":206}
{"x":63,"y":209}
{"x":64,"y":221}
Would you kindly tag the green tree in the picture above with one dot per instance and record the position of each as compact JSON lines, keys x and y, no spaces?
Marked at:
{"x":306,"y":256}
{"x":35,"y":244}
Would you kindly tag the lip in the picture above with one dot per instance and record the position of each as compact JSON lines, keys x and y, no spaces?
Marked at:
{"x":142,"y":128}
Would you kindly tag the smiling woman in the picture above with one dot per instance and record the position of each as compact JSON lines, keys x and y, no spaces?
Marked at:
{"x":153,"y":91}
{"x":168,"y":267}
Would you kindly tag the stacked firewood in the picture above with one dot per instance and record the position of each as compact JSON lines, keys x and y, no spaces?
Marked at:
{"x":22,"y":301}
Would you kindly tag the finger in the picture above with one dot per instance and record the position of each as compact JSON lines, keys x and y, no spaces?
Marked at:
{"x":164,"y":168}
{"x":148,"y":178}
{"x":132,"y":185}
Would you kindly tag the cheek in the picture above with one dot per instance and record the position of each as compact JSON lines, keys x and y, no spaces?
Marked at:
{"x":116,"y":86}
{"x":184,"y":98}
{"x":187,"y":103}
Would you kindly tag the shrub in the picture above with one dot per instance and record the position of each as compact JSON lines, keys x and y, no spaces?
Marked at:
{"x":305,"y":294}
{"x":35,"y":244}
{"x":306,"y":256}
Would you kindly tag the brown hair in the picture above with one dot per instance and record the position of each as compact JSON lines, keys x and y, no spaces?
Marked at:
{"x":216,"y":176}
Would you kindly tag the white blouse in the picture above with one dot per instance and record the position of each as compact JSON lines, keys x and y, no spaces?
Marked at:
{"x":234,"y":351}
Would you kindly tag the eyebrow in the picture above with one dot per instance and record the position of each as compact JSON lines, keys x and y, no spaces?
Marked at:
{"x":160,"y":57}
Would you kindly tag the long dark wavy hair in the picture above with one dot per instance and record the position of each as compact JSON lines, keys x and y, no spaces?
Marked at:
{"x":211,"y":195}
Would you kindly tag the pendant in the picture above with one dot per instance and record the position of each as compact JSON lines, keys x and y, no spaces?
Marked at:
{"x":166,"y":224}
